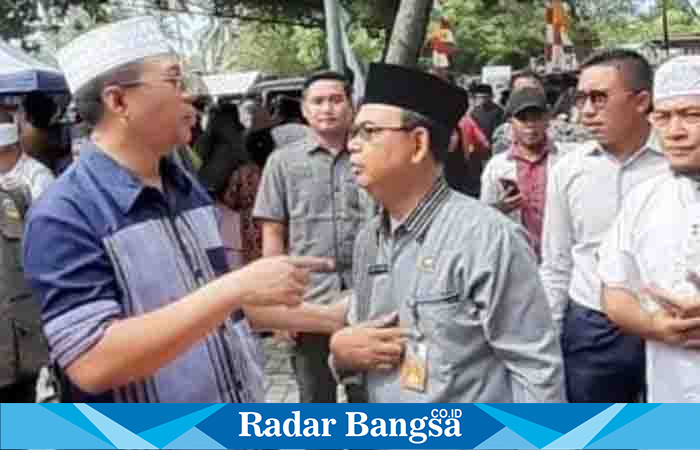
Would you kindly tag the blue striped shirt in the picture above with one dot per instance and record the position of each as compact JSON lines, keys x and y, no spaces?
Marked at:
{"x":102,"y":246}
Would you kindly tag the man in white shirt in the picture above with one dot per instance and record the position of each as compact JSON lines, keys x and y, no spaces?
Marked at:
{"x":649,"y":262}
{"x":584,"y":194}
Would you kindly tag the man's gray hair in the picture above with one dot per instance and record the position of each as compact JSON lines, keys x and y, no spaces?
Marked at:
{"x":439,"y":135}
{"x":88,"y":100}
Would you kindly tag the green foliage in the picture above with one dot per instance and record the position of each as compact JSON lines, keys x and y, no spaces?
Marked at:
{"x":495,"y":33}
{"x":279,"y":49}
{"x":287,"y":37}
{"x":644,"y":27}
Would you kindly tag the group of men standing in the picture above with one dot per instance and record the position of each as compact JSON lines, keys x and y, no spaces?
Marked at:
{"x":392,"y":283}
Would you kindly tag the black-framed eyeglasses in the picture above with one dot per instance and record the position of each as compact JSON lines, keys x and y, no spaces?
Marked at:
{"x":598,"y":98}
{"x":367,"y":131}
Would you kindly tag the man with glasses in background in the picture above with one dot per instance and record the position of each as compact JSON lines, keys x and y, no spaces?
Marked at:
{"x":447,"y":305}
{"x":309,"y":204}
{"x":124,"y":252}
{"x":649,"y":262}
{"x":584,"y":195}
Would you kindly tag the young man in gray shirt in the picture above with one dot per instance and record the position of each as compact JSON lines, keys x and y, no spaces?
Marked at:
{"x":309,"y":205}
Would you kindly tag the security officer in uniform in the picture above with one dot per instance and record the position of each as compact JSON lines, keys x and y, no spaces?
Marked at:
{"x":23,"y":350}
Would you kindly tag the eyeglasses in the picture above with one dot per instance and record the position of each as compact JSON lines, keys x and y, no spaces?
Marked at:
{"x":598,"y":98}
{"x":663,"y":119}
{"x":366,"y":131}
{"x":186,"y":82}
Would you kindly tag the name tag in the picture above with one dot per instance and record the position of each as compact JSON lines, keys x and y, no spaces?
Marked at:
{"x":378,"y":269}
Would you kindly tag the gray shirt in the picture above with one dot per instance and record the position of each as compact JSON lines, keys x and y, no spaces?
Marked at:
{"x":584,"y":195}
{"x":313,"y":192}
{"x":464,"y":280}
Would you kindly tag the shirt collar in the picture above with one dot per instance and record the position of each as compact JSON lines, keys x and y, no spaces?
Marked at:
{"x":550,"y":148}
{"x":312,"y":144}
{"x":123,"y":185}
{"x":652,"y":144}
{"x":417,"y":222}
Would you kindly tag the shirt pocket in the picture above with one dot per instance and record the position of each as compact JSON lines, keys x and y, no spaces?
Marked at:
{"x":218,"y":260}
{"x":434,"y":315}
{"x":309,"y":192}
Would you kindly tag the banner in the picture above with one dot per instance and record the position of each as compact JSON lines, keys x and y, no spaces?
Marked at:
{"x":497,"y":76}
{"x":350,"y":426}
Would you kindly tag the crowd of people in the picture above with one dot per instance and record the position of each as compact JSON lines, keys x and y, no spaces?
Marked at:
{"x":424,"y":245}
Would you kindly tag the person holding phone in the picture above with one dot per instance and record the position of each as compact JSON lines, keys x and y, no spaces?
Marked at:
{"x":514,"y":182}
{"x":650,"y":260}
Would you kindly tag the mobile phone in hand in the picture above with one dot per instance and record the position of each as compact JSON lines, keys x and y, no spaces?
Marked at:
{"x":510,"y":186}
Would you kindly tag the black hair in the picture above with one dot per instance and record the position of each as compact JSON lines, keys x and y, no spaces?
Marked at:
{"x":527,"y":74}
{"x":328,"y":75}
{"x":481,"y":88}
{"x":39,"y":109}
{"x":286,"y":107}
{"x":635,"y":68}
{"x":221,"y":148}
{"x":5,"y":117}
{"x":565,"y":102}
{"x":439,"y":134}
{"x":88,"y":100}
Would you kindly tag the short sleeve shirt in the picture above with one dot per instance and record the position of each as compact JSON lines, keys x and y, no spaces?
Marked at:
{"x":101,"y":246}
{"x":313,"y":192}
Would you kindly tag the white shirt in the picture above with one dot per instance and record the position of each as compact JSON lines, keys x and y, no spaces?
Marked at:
{"x":584,"y":195}
{"x":30,"y":173}
{"x":652,"y":241}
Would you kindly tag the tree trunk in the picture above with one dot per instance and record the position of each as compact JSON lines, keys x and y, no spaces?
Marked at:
{"x":408,"y":35}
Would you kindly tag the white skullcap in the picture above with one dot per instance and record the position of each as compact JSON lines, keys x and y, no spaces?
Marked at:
{"x":9,"y":134}
{"x":108,"y":47}
{"x":677,"y":77}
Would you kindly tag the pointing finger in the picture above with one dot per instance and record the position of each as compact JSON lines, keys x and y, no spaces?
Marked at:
{"x":313,"y":263}
{"x":389,"y":334}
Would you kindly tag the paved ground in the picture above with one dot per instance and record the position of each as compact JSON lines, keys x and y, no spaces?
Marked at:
{"x":280,"y":385}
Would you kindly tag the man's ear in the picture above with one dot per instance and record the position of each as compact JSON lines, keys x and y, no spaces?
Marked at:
{"x":115,"y":101}
{"x":421,"y":138}
{"x":644,"y":101}
{"x":305,"y":110}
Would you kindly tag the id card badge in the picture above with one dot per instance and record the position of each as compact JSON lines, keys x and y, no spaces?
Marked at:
{"x":414,"y":367}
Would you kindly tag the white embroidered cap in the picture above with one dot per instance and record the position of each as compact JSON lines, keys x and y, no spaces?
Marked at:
{"x":9,"y":134}
{"x":108,"y":47}
{"x":679,"y":76}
